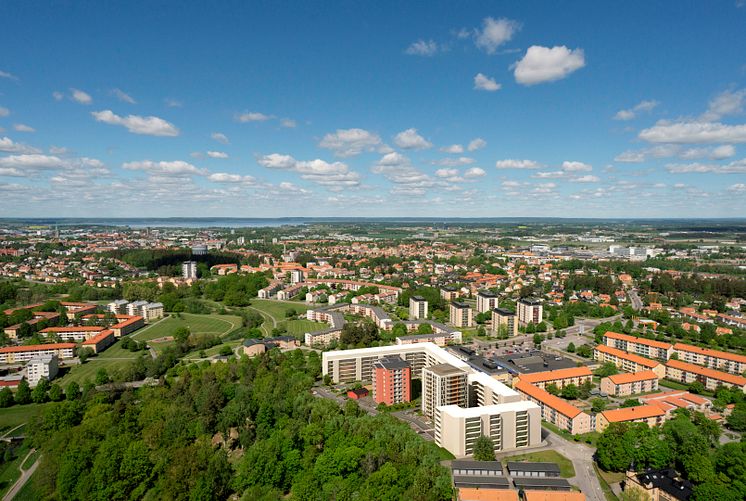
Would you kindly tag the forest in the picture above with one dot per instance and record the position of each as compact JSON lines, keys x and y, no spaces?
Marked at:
{"x":250,"y":427}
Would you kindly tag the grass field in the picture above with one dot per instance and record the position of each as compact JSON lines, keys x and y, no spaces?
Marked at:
{"x":29,"y":492}
{"x":566,"y":468}
{"x":9,"y":472}
{"x":11,"y":417}
{"x":82,"y":374}
{"x":300,"y":327}
{"x":197,"y":324}
{"x":277,"y":309}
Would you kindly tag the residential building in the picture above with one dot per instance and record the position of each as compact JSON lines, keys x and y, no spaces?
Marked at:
{"x":530,"y":311}
{"x":504,"y":322}
{"x":442,"y":385}
{"x":392,"y":381}
{"x":486,"y":301}
{"x":672,"y":400}
{"x":553,"y":495}
{"x":135,"y":307}
{"x":297,"y":276}
{"x":628,"y":361}
{"x":487,"y":493}
{"x":76,"y":334}
{"x":659,"y":485}
{"x":560,"y":377}
{"x":152,"y":311}
{"x":252,"y":347}
{"x":556,"y":410}
{"x":510,"y":426}
{"x":449,"y":294}
{"x":17,"y":354}
{"x":461,"y":315}
{"x":712,"y":359}
{"x":623,"y":385}
{"x":189,"y":270}
{"x":417,"y":308}
{"x":100,"y":341}
{"x":686,"y":373}
{"x":652,"y":415}
{"x":639,"y":346}
{"x":533,"y":469}
{"x":118,"y":306}
{"x":43,"y":366}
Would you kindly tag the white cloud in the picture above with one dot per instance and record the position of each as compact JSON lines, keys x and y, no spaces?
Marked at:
{"x":288,"y":123}
{"x":446,"y":172}
{"x":220,"y":137}
{"x":10,"y":76}
{"x":723,"y":151}
{"x":494,"y":33}
{"x":80,"y":97}
{"x":58,"y":96}
{"x":542,"y":64}
{"x":631,"y":113}
{"x":349,"y":142}
{"x":476,"y":144}
{"x":630,"y":157}
{"x":737,"y":188}
{"x":23,"y":128}
{"x":123,"y":96}
{"x":406,"y":179}
{"x":587,"y":179}
{"x":483,"y":82}
{"x":173,"y":103}
{"x":224,"y":177}
{"x":517,"y":164}
{"x":474,"y":172}
{"x":252,"y":116}
{"x":453,"y":162}
{"x":151,"y":126}
{"x":685,"y":132}
{"x":217,"y":154}
{"x":165,"y":168}
{"x":8,"y":146}
{"x":47,"y":162}
{"x":334,"y":176}
{"x":735,"y":167}
{"x":422,"y":48}
{"x":510,"y":184}
{"x":57,"y":150}
{"x":554,"y":174}
{"x":411,"y":140}
{"x":454,"y":148}
{"x":725,"y":103}
{"x":576,"y":166}
{"x":4,"y":112}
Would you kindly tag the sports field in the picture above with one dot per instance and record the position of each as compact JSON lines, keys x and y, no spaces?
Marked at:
{"x":197,"y":324}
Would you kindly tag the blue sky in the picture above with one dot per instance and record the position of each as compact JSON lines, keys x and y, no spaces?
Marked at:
{"x":576,"y":109}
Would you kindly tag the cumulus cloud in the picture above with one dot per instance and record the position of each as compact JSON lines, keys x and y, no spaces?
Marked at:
{"x":411,"y":140}
{"x":474,"y":172}
{"x":737,"y":188}
{"x":446,"y":172}
{"x":136,"y":124}
{"x":30,"y":164}
{"x":406,"y":180}
{"x":252,"y":116}
{"x":586,"y":179}
{"x":576,"y":166}
{"x":220,"y":137}
{"x":453,"y":162}
{"x":350,"y":142}
{"x":735,"y":167}
{"x":173,"y":103}
{"x":224,"y":177}
{"x":476,"y":144}
{"x":726,"y":103}
{"x":425,"y":48}
{"x":517,"y":164}
{"x":165,"y":168}
{"x":631,"y":113}
{"x":334,"y":176}
{"x":554,"y":174}
{"x":9,"y":76}
{"x":4,"y":112}
{"x":123,"y":96}
{"x":23,"y":128}
{"x":686,"y":132}
{"x":542,"y":64}
{"x":494,"y":33}
{"x":722,"y":151}
{"x":217,"y":154}
{"x":288,"y":123}
{"x":630,"y":156}
{"x":81,"y":97}
{"x":454,"y":148}
{"x":483,"y":82}
{"x":57,"y":150}
{"x":8,"y":146}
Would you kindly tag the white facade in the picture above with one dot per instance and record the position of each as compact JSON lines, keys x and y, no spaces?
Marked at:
{"x":42,"y":366}
{"x":417,"y":308}
{"x":189,"y":270}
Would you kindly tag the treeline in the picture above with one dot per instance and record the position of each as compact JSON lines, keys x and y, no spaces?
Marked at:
{"x":154,"y":259}
{"x":664,"y":283}
{"x":249,"y":428}
{"x":689,"y":443}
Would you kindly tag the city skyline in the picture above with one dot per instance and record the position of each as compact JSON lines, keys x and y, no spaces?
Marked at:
{"x":537,"y":110}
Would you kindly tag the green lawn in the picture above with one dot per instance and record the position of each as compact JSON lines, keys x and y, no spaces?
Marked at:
{"x":604,"y":478}
{"x":197,"y":324}
{"x":11,"y":417}
{"x":30,"y":491}
{"x":87,"y":371}
{"x":116,"y":351}
{"x":277,"y":309}
{"x":566,"y":468}
{"x":9,"y":472}
{"x":300,"y":327}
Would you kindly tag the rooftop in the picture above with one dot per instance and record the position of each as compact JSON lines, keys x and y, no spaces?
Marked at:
{"x":639,"y":340}
{"x":445,"y":370}
{"x":531,"y":466}
{"x":632,"y":377}
{"x":710,"y":373}
{"x":632,"y":413}
{"x":467,"y":412}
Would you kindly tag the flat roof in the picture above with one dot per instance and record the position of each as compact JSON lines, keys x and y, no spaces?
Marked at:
{"x":445,"y":370}
{"x":391,"y":363}
{"x":532,"y":466}
{"x":528,"y":363}
{"x":459,"y":305}
{"x":503,"y":312}
{"x":494,"y":385}
{"x":542,"y":482}
{"x":486,"y":294}
{"x":481,"y":481}
{"x":467,"y":412}
{"x":476,"y":465}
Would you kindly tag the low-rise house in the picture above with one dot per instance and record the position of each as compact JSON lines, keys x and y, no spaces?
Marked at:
{"x":652,"y":415}
{"x":623,"y":385}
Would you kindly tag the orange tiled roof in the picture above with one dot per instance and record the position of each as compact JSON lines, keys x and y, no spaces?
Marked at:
{"x":640,"y":340}
{"x":571,"y":372}
{"x":628,"y":356}
{"x":710,"y":373}
{"x":472,"y":494}
{"x":710,"y":353}
{"x":37,"y":347}
{"x":553,"y":496}
{"x":632,"y":377}
{"x":632,"y":413}
{"x":548,"y":399}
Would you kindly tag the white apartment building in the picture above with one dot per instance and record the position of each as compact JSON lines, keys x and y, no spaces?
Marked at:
{"x":530,"y":311}
{"x":45,"y":366}
{"x":461,"y":315}
{"x":486,"y":301}
{"x":152,"y":311}
{"x":504,"y":322}
{"x":189,"y":270}
{"x":417,"y":308}
{"x":443,"y":384}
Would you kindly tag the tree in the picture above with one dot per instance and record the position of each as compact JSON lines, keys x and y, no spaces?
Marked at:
{"x":696,"y":387}
{"x":225,"y":350}
{"x":6,"y":397}
{"x":55,"y":393}
{"x":181,"y":335}
{"x":484,"y":449}
{"x":630,"y":402}
{"x":538,"y":338}
{"x":736,"y":421}
{"x":84,"y":354}
{"x":552,"y":389}
{"x":570,"y":392}
{"x":39,"y":394}
{"x":102,"y":377}
{"x":607,"y":369}
{"x":585,"y":351}
{"x":598,"y":404}
{"x":571,"y":348}
{"x":72,"y":392}
{"x":23,"y":393}
{"x":424,"y":329}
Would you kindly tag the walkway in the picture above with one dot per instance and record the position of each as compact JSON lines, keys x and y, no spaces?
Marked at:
{"x":25,"y":475}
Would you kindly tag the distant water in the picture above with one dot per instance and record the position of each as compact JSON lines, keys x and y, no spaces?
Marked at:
{"x":230,"y":222}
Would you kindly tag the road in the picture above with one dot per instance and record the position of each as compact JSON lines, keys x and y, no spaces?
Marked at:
{"x":635,"y":300}
{"x":25,"y":475}
{"x":581,"y":456}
